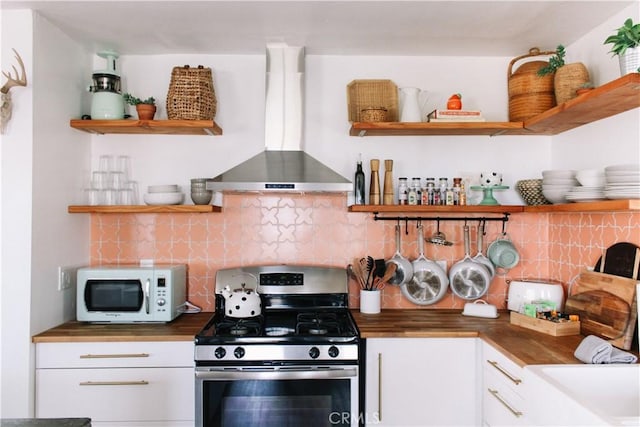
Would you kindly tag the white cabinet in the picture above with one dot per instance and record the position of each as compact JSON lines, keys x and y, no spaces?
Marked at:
{"x":421,"y":382}
{"x":503,"y":390}
{"x":131,"y":384}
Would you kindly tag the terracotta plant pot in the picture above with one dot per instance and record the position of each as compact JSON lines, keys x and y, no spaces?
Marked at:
{"x":146,"y":111}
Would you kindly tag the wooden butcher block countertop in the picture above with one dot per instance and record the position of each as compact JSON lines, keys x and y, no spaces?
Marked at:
{"x":183,"y":328}
{"x":523,"y":346}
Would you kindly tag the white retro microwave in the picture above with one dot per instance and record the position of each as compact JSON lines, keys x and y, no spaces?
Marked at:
{"x":130,"y":293}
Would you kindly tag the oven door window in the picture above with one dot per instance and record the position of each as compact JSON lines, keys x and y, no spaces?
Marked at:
{"x":276,"y":403}
{"x":113,"y":295}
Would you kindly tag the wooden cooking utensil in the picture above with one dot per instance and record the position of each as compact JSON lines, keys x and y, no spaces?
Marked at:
{"x":601,"y":313}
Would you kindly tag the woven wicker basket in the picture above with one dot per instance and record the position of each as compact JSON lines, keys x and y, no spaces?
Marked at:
{"x":529,"y":94}
{"x":531,"y":192}
{"x":365,"y":94}
{"x":191,"y":94}
{"x":568,"y":79}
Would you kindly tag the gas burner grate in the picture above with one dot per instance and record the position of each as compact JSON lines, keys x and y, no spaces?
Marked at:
{"x":251,"y":327}
{"x":317,"y":323}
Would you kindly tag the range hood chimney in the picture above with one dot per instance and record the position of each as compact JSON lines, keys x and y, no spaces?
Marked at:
{"x":283,"y":166}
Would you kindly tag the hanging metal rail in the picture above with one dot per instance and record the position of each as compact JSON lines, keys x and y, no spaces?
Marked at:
{"x":504,"y":218}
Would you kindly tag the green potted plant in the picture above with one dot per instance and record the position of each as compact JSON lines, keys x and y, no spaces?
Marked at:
{"x":146,"y":109}
{"x":567,"y":78}
{"x":626,"y":45}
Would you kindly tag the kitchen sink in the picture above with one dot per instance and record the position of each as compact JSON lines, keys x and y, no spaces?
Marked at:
{"x":610,"y":393}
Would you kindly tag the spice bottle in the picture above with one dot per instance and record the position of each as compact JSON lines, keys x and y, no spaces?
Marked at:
{"x":443,"y":184}
{"x":358,"y":183}
{"x":431,"y":186}
{"x":413,"y":196}
{"x":403,"y":191}
{"x":456,"y":190}
{"x":462,"y":197}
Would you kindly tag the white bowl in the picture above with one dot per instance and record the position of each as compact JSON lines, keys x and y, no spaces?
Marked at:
{"x":556,"y":196}
{"x":558,"y":173}
{"x":559,"y":181}
{"x":592,"y":181}
{"x":171,"y":188}
{"x":170,"y":198}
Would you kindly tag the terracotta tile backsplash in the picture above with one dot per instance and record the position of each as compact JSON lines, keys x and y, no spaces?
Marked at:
{"x":282,"y":228}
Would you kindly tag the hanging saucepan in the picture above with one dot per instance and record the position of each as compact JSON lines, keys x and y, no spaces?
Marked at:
{"x":468,"y":279}
{"x":480,"y":258}
{"x":429,"y":282}
{"x":404,"y":269}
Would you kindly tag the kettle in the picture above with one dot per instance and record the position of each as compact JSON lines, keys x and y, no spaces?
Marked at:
{"x":242,"y":302}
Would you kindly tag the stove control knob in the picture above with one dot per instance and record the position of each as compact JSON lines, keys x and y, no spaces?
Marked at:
{"x":219,"y":352}
{"x":314,"y":352}
{"x":334,"y":351}
{"x":238,"y":352}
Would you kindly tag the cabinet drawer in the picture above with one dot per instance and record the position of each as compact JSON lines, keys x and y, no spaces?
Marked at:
{"x":501,"y":405}
{"x":495,"y":362}
{"x":114,"y":354}
{"x":129,"y":394}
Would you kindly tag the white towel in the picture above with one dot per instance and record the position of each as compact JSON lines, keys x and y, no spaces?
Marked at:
{"x":595,"y":350}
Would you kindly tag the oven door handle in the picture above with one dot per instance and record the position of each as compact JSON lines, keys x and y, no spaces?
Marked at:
{"x":276,"y":374}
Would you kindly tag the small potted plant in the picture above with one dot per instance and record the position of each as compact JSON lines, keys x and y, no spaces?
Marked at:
{"x":626,"y":45}
{"x":568,"y":77}
{"x":146,"y":109}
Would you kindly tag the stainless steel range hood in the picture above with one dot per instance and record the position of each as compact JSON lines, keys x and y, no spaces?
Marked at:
{"x":283,"y":166}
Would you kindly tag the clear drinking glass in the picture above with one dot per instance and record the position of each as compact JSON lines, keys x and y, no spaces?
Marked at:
{"x":116,"y":180}
{"x":99,"y":180}
{"x":123,"y":164}
{"x":135,"y":195}
{"x":106,"y":163}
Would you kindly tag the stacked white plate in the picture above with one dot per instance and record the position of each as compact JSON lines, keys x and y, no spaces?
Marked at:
{"x":557,"y":183}
{"x":592,"y":186}
{"x":623,"y":181}
{"x":164,"y":195}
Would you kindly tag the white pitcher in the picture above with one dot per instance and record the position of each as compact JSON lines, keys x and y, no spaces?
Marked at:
{"x":411,"y":105}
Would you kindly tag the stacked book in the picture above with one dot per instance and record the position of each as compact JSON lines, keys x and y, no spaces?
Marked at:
{"x":448,"y":116}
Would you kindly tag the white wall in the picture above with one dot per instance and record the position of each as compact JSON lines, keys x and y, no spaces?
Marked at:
{"x":17,"y":151}
{"x":610,"y":141}
{"x":42,"y":165}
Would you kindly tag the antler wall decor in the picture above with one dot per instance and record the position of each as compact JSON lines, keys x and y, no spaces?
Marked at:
{"x":6,"y":106}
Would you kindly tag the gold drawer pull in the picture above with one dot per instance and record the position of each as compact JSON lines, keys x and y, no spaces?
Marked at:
{"x":112,"y":356}
{"x":142,"y":382}
{"x":506,"y":405}
{"x":515,"y":380}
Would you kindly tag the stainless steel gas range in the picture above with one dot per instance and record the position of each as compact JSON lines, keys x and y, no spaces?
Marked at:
{"x":295,"y":363}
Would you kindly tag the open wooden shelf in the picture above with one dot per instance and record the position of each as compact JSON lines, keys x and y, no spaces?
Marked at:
{"x":161,"y":127}
{"x":119,"y":209}
{"x":596,"y":206}
{"x":432,"y":129}
{"x":612,"y":98}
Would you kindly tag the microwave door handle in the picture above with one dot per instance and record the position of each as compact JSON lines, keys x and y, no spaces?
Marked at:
{"x":146,"y":295}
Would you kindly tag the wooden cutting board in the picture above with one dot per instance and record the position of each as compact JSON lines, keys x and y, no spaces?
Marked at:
{"x":601,"y":313}
{"x":621,"y":287}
